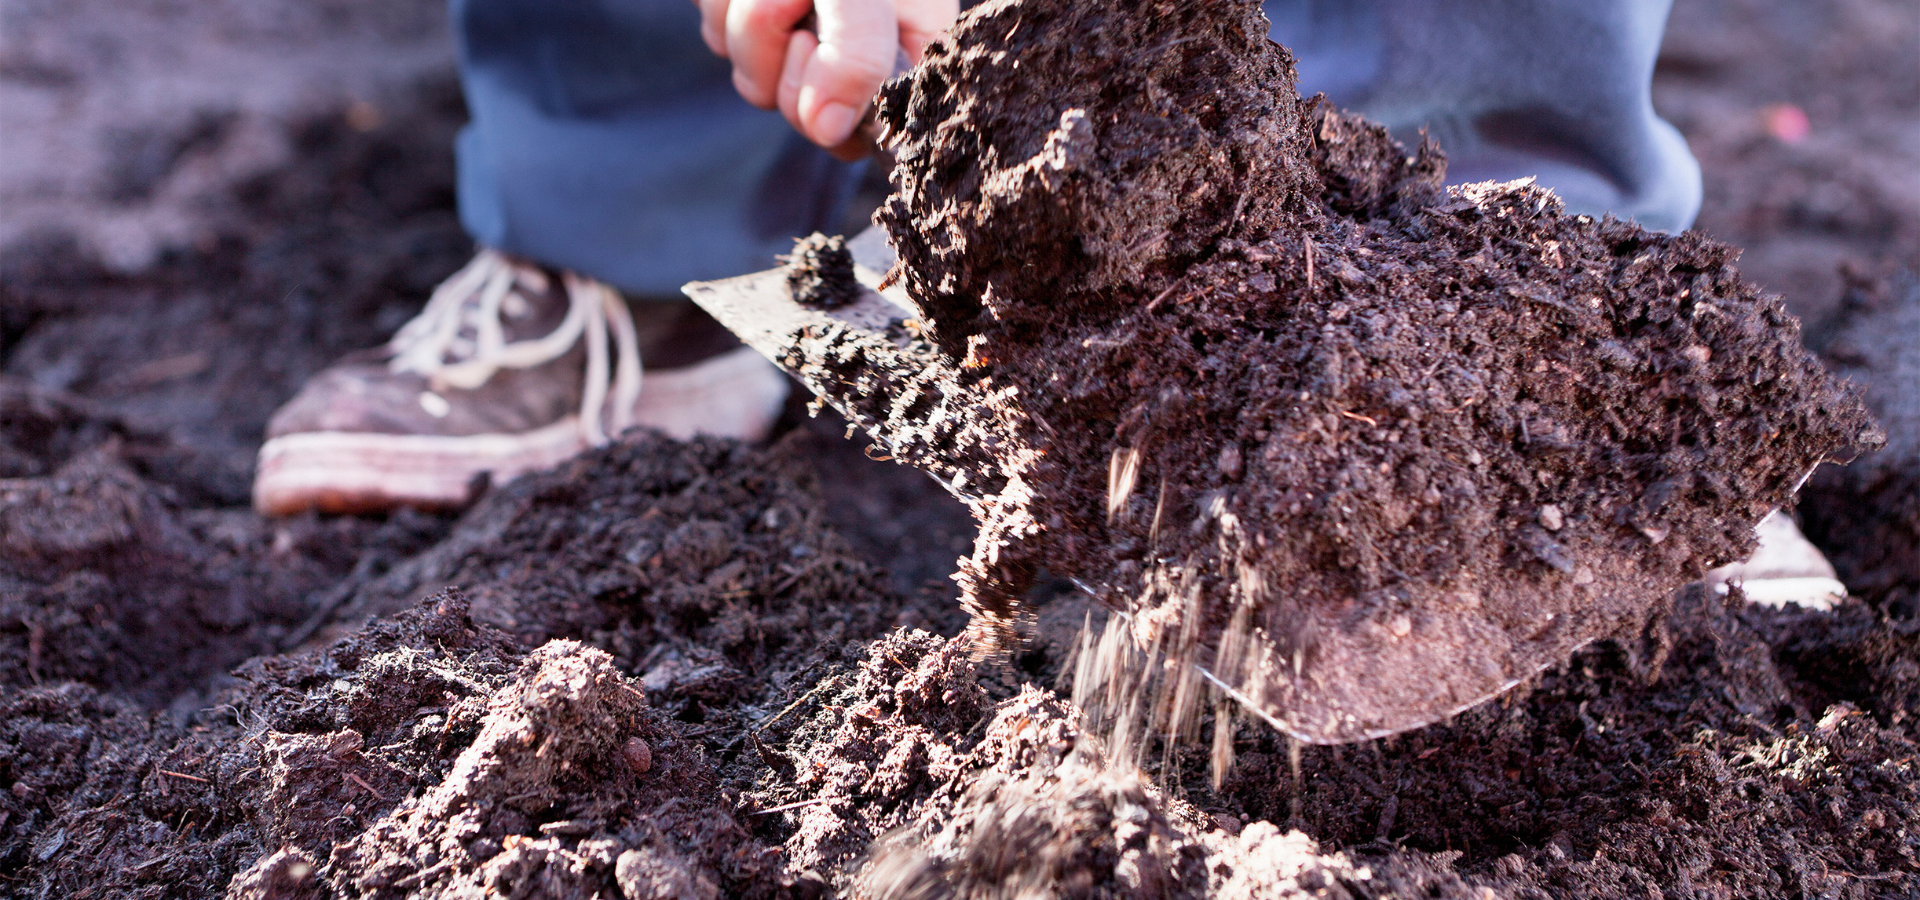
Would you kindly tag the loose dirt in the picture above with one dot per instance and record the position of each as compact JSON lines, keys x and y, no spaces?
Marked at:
{"x":1870,"y":511}
{"x":1368,"y":450}
{"x":111,"y":579}
{"x":217,"y":704}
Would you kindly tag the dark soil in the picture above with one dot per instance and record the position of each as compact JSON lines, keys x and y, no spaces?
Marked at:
{"x":1870,"y":511}
{"x":457,"y":744}
{"x":1746,"y":766}
{"x":1771,"y":755}
{"x":113,"y":580}
{"x":573,"y":690}
{"x":1049,"y":155}
{"x":420,"y":757}
{"x":1370,"y":451}
{"x":820,"y":272}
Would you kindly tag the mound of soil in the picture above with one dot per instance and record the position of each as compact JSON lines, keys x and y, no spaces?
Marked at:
{"x":572,"y":786}
{"x":969,"y":798}
{"x":702,"y":567}
{"x":1368,"y":450}
{"x":430,"y":755}
{"x":468,"y":741}
{"x":1771,"y":755}
{"x":110,"y":579}
{"x":426,"y":756}
{"x":1869,"y":512}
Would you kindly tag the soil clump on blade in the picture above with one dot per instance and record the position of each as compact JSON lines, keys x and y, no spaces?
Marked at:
{"x":820,"y":272}
{"x":1050,"y":154}
{"x":1369,"y":450}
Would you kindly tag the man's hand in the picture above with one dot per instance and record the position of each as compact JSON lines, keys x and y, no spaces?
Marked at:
{"x":821,"y":82}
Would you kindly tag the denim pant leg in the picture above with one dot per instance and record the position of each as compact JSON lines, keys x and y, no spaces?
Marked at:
{"x":1557,"y":89}
{"x":606,"y":139}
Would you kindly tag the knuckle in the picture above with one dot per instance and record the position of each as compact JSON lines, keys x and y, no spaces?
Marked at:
{"x":861,"y":73}
{"x":766,"y":15}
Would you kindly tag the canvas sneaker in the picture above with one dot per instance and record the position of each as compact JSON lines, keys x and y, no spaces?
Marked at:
{"x":1786,"y":568}
{"x":510,"y":368}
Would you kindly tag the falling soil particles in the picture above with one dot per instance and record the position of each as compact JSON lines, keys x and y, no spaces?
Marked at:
{"x":703,"y":670}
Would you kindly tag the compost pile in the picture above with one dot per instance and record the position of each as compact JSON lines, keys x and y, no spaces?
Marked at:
{"x":1872,"y":509}
{"x":669,"y":670}
{"x":1369,"y":450}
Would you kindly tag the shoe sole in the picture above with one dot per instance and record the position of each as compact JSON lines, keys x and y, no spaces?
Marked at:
{"x":358,"y":472}
{"x":1785,"y":569}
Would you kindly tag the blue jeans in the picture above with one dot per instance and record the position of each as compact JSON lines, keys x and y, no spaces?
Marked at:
{"x":1561,"y":90}
{"x":606,"y":139}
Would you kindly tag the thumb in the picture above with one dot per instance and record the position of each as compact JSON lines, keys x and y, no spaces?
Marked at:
{"x":859,"y":41}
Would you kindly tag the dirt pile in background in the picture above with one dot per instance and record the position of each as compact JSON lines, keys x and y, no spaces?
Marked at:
{"x":703,"y":567}
{"x":472,"y":742}
{"x":111,"y":579}
{"x":323,"y":256}
{"x":1869,"y":512}
{"x":1424,"y":443}
{"x":1801,"y":117}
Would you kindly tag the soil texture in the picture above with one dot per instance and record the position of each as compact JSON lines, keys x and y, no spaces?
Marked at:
{"x":470,"y":742}
{"x":709,"y":670}
{"x":1870,"y":511}
{"x":820,"y":272}
{"x":1369,"y":450}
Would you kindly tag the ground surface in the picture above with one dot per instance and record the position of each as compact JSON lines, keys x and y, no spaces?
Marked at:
{"x":726,"y":601}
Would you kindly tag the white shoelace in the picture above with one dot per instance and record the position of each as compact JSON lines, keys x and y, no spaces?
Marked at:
{"x":459,"y":341}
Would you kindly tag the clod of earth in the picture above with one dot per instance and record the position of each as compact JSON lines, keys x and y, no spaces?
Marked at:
{"x":820,"y":272}
{"x":1363,"y":450}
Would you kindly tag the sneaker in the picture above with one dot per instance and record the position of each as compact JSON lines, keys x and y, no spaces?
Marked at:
{"x":510,"y":368}
{"x":1786,"y":568}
